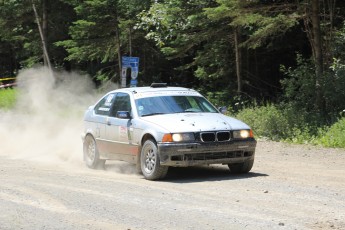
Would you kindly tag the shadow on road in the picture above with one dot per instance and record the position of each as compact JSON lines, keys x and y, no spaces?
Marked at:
{"x":186,"y":174}
{"x":204,"y":173}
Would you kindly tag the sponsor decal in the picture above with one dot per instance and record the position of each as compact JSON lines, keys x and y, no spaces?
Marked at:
{"x":123,"y":133}
{"x":165,"y":93}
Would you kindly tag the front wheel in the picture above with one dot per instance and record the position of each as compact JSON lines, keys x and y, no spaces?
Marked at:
{"x":91,"y":155}
{"x":244,"y":167}
{"x":150,"y":162}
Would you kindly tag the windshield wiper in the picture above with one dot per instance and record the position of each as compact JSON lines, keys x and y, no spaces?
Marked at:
{"x":151,"y":114}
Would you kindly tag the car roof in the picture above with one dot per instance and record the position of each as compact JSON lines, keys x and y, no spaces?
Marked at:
{"x":151,"y":89}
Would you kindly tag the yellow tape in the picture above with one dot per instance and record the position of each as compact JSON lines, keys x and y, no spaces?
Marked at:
{"x":5,"y":79}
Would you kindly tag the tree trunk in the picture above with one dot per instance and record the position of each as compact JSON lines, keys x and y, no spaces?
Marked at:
{"x":44,"y":45}
{"x":238,"y":59}
{"x":45,"y":27}
{"x":130,"y":41}
{"x":118,"y":46}
{"x":316,"y":43}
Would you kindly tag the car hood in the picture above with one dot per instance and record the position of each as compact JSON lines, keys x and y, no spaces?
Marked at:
{"x":195,"y":122}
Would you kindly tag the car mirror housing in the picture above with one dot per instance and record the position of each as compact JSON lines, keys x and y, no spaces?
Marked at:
{"x":223,"y":109}
{"x":123,"y":115}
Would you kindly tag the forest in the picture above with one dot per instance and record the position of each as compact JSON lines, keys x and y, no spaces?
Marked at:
{"x":279,"y":65}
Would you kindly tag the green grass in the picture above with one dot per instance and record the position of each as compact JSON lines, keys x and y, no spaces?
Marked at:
{"x":333,"y":136}
{"x":283,"y":124}
{"x":8,"y":98}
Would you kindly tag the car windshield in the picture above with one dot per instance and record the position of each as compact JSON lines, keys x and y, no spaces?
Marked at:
{"x":173,"y":104}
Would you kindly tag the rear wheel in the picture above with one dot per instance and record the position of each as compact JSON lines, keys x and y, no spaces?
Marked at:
{"x":244,"y":167}
{"x":91,"y":155}
{"x":150,"y":162}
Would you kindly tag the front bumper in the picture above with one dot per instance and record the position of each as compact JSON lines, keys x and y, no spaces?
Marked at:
{"x":200,"y":153}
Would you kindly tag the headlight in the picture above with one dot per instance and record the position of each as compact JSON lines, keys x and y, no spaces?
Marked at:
{"x":183,"y":137}
{"x":178,"y":137}
{"x":241,"y":134}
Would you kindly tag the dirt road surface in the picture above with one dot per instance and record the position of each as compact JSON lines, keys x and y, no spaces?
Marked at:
{"x":289,"y":187}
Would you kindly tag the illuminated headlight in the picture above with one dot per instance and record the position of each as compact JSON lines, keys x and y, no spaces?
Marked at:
{"x":241,"y":134}
{"x":183,"y":137}
{"x":178,"y":137}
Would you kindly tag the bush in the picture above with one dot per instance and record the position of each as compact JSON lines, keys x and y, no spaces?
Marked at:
{"x":299,"y":88}
{"x":334,"y":135}
{"x":285,"y":123}
{"x":266,"y":121}
{"x":234,"y":101}
{"x":7,"y":98}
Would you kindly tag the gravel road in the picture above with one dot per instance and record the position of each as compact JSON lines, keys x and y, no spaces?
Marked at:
{"x":289,"y":187}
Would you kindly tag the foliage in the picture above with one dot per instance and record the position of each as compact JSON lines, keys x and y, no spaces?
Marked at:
{"x":233,"y":102}
{"x":19,"y":32}
{"x":15,"y":34}
{"x":192,"y":44}
{"x":200,"y":35}
{"x":182,"y":31}
{"x":7,"y":98}
{"x":105,"y":30}
{"x":299,"y":86}
{"x":266,"y":121}
{"x":334,"y":135}
{"x":284,"y":123}
{"x":261,"y":23}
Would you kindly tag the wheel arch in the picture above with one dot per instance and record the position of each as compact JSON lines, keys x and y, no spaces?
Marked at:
{"x":149,"y":160}
{"x":145,"y":137}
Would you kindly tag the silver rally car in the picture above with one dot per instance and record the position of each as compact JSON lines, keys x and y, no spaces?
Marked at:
{"x":157,"y":127}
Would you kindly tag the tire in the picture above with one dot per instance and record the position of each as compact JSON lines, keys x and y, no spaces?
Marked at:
{"x":150,"y":162}
{"x":91,"y":155}
{"x":239,"y":168}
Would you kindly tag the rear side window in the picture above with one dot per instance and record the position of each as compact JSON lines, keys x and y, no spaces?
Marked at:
{"x":103,"y":107}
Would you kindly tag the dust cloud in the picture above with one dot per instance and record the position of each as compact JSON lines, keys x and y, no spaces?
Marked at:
{"x":47,"y":121}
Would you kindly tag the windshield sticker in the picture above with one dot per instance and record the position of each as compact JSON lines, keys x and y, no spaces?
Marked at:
{"x":109,"y":99}
{"x":165,"y":93}
{"x":104,"y":109}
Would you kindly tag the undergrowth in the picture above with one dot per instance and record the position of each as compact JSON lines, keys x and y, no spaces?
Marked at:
{"x":282,"y":123}
{"x":7,"y":98}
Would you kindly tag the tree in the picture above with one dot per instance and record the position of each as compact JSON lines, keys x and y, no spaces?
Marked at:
{"x":259,"y":23}
{"x":315,"y":83}
{"x":42,"y":28}
{"x":13,"y":33}
{"x":99,"y":34}
{"x":21,"y":35}
{"x":184,"y":33}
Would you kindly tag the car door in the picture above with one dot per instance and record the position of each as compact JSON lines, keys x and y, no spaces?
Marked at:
{"x":118,"y":129}
{"x":101,"y":116}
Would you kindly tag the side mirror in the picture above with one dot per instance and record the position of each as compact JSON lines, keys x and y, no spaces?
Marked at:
{"x":123,"y":115}
{"x":223,"y":109}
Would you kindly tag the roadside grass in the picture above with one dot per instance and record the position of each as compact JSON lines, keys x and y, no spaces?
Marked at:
{"x":283,"y":124}
{"x":333,"y":136}
{"x":8,"y":98}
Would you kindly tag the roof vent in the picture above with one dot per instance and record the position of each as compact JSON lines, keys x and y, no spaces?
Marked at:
{"x":158,"y":85}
